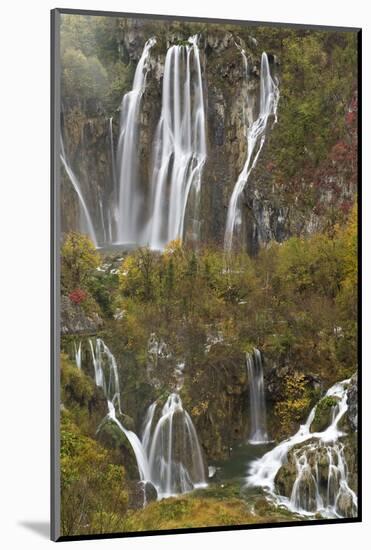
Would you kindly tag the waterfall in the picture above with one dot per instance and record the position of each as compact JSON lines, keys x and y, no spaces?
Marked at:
{"x":256,"y":132}
{"x":87,"y":225}
{"x":174,"y":453}
{"x":258,"y":423}
{"x":169,"y":454}
{"x":179,"y":146}
{"x":127,"y":216}
{"x":112,"y":213}
{"x":129,"y":197}
{"x":310,"y":494}
{"x":106,"y":377}
{"x":78,"y":355}
{"x":113,"y":159}
{"x":147,"y":427}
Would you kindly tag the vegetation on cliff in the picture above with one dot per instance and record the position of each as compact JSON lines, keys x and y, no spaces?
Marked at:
{"x":186,"y":319}
{"x":295,"y":301}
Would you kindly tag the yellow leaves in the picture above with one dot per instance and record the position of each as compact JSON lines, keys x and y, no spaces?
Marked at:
{"x":295,"y":406}
{"x":79,"y":258}
{"x":173,"y":247}
{"x":91,"y":483}
{"x":200,"y":409}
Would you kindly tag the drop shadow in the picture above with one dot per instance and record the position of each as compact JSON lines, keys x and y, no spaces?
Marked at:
{"x":42,"y":528}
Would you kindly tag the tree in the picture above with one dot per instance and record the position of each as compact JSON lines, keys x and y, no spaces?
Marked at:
{"x":138,"y":275}
{"x":79,"y":259}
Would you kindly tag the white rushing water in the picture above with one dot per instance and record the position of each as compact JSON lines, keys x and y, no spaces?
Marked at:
{"x":179,"y":146}
{"x":169,"y":454}
{"x":112,"y":210}
{"x":106,"y":377}
{"x":309,"y":493}
{"x":174,"y":452}
{"x":130,"y":200}
{"x":78,"y":355}
{"x":258,"y":421}
{"x":256,"y":133}
{"x":86,"y":222}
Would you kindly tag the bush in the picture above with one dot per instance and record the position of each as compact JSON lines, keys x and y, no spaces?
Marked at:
{"x":93,"y":493}
{"x":77,"y":296}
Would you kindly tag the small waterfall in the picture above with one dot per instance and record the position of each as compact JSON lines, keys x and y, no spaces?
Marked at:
{"x":258,"y":422}
{"x":175,"y":458}
{"x":147,"y":426}
{"x":105,"y":364}
{"x":78,"y":355}
{"x":179,"y":146}
{"x":129,"y":199}
{"x":256,"y":132}
{"x":106,"y":377}
{"x":312,"y":494}
{"x":330,"y":494}
{"x":86,"y":224}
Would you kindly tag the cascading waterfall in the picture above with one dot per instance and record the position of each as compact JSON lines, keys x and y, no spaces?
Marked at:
{"x":86,"y":222}
{"x":179,"y":146}
{"x":169,"y":454}
{"x":130,"y":201}
{"x":175,"y":458}
{"x":256,"y":133}
{"x":310,"y":494}
{"x":106,"y":377}
{"x":258,"y":422}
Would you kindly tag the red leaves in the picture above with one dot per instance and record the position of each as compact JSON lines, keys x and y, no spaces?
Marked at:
{"x":77,"y":296}
{"x":350,"y":118}
{"x":340,"y":152}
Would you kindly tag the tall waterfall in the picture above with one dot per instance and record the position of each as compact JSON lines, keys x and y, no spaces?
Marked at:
{"x":130,"y":201}
{"x":310,"y":493}
{"x":106,"y":377}
{"x":258,"y":422}
{"x":175,"y":458}
{"x":179,"y":146}
{"x":256,"y":132}
{"x":112,"y":210}
{"x":86,"y":222}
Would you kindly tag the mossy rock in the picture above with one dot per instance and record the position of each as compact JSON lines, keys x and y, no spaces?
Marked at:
{"x":285,"y":478}
{"x":111,"y":435}
{"x":323,"y":414}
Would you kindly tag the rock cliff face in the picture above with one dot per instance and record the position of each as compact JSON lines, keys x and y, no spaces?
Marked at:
{"x":75,"y":321}
{"x":91,"y":140}
{"x":353,"y":402}
{"x":89,"y":145}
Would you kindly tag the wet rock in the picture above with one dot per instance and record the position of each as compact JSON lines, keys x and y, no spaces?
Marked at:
{"x":324,"y":413}
{"x":141,"y":493}
{"x":345,"y":506}
{"x":352,"y":399}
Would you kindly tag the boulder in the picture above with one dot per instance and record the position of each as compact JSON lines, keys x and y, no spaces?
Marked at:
{"x":140,"y":494}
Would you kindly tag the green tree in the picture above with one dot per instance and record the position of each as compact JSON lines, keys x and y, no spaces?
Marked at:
{"x":79,"y":258}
